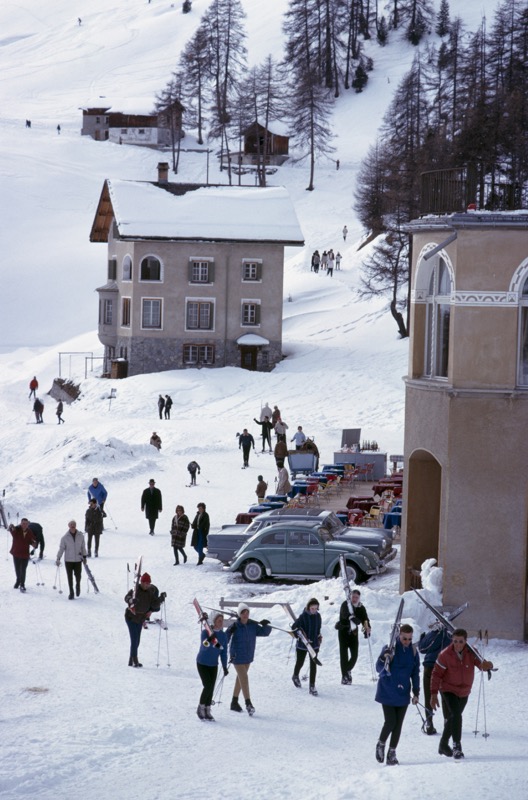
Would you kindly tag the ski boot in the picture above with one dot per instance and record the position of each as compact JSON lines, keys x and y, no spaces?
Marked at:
{"x":391,"y":757}
{"x":250,"y":707}
{"x":296,"y":681}
{"x":235,"y":705}
{"x":380,"y":752}
{"x":429,"y":728}
{"x":201,"y":711}
{"x":208,"y":716}
{"x":457,"y":751}
{"x":313,"y":690}
{"x":444,"y":749}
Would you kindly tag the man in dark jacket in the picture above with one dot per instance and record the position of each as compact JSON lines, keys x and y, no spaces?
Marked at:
{"x":151,"y":504}
{"x":430,"y":645}
{"x":267,"y":427}
{"x":168,"y":406}
{"x":192,"y":468}
{"x":161,"y":405}
{"x":245,"y":443}
{"x":93,"y":523}
{"x":200,"y":527}
{"x":347,"y":627}
{"x":22,"y":541}
{"x":140,"y":605}
{"x":38,"y":535}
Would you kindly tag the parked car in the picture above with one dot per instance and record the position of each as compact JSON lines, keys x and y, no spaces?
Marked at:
{"x":302,"y":551}
{"x":223,"y":544}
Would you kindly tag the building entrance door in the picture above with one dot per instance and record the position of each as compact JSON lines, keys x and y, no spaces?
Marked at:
{"x":248,"y":358}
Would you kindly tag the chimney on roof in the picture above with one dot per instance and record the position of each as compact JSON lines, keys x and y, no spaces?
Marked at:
{"x":163,"y":172}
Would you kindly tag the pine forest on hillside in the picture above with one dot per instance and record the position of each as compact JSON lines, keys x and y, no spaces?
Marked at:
{"x":462,"y":108}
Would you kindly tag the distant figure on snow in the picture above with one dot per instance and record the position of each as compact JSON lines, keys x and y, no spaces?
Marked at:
{"x":22,"y":541}
{"x":299,"y":438}
{"x":266,"y":426}
{"x":192,"y":468}
{"x":58,"y":412}
{"x":200,"y":525}
{"x":168,"y":405}
{"x":74,"y":548}
{"x":261,"y":489}
{"x":345,"y":231}
{"x":265,"y":411}
{"x":179,"y":527}
{"x":93,"y":523}
{"x":245,"y":443}
{"x":338,"y":260}
{"x":38,"y":408}
{"x":283,"y":481}
{"x":155,"y":441}
{"x":33,"y":386}
{"x":97,"y":490}
{"x":58,"y":129}
{"x":161,"y":405}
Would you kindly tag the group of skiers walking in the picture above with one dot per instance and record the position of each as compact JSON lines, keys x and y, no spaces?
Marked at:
{"x":398,"y":667}
{"x":327,"y":261}
{"x":38,"y":405}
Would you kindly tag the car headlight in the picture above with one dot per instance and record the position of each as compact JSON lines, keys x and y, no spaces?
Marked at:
{"x":383,"y":544}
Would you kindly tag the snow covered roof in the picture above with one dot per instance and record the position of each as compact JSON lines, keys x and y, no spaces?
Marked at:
{"x":212,"y":213}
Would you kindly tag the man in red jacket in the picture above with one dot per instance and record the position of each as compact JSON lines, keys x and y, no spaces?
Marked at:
{"x":453,"y":676}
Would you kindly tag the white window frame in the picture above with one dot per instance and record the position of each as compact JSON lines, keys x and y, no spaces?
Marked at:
{"x":438,"y":320}
{"x":199,"y":348}
{"x":151,"y":300}
{"x":522,"y":358}
{"x":108,"y":311}
{"x":250,"y":302}
{"x":252,"y":262}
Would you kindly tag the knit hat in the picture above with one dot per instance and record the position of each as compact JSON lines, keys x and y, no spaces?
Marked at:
{"x":242,"y":607}
{"x":145,"y":578}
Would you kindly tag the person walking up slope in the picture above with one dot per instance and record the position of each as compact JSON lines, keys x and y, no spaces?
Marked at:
{"x":242,"y":636}
{"x":180,"y":526}
{"x":310,"y":623}
{"x":453,"y":676}
{"x":394,"y":690}
{"x":245,"y":443}
{"x":73,"y":546}
{"x":207,"y":663}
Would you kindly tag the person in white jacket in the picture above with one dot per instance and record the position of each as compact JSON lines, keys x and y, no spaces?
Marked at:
{"x":73,"y":546}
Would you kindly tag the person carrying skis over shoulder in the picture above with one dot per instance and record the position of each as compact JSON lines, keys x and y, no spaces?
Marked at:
{"x":309,"y":623}
{"x":453,"y":676}
{"x":242,"y":636}
{"x":141,"y":602}
{"x":348,"y":634}
{"x":192,"y":468}
{"x":207,"y":662}
{"x":399,"y":673}
{"x":430,"y":645}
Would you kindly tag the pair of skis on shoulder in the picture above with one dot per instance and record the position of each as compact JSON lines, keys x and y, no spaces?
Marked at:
{"x":297,"y":634}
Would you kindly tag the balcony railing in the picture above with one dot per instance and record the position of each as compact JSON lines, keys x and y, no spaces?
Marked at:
{"x":447,"y":191}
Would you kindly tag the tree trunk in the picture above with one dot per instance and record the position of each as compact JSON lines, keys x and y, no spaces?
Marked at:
{"x":400,"y":322}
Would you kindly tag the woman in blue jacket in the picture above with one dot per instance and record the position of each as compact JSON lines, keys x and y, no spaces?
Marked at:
{"x":243,"y":638}
{"x":207,"y":662}
{"x":394,"y":690}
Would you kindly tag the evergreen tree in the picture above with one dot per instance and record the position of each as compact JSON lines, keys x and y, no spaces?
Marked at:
{"x":442,"y":19}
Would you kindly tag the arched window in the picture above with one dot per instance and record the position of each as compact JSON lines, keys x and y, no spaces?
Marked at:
{"x":127,"y":268}
{"x":523,"y":336}
{"x":150,"y":269}
{"x":438,"y":317}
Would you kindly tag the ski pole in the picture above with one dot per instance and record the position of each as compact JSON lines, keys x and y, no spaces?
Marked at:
{"x":40,"y":582}
{"x":218,"y":692}
{"x":108,"y":514}
{"x":372,"y":670}
{"x":58,"y":580}
{"x":164,"y":618}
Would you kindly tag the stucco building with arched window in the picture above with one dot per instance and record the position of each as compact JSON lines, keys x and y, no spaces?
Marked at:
{"x":466,"y":419}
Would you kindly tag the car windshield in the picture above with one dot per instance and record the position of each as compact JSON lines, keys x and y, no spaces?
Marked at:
{"x":334,"y":525}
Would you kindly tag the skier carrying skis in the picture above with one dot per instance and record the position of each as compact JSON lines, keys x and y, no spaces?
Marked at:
{"x":394,"y":690}
{"x":453,"y":676}
{"x":242,"y":635}
{"x":141,"y":602}
{"x":310,"y":623}
{"x":347,"y":628}
{"x":207,"y":662}
{"x":192,"y":468}
{"x":430,"y":645}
